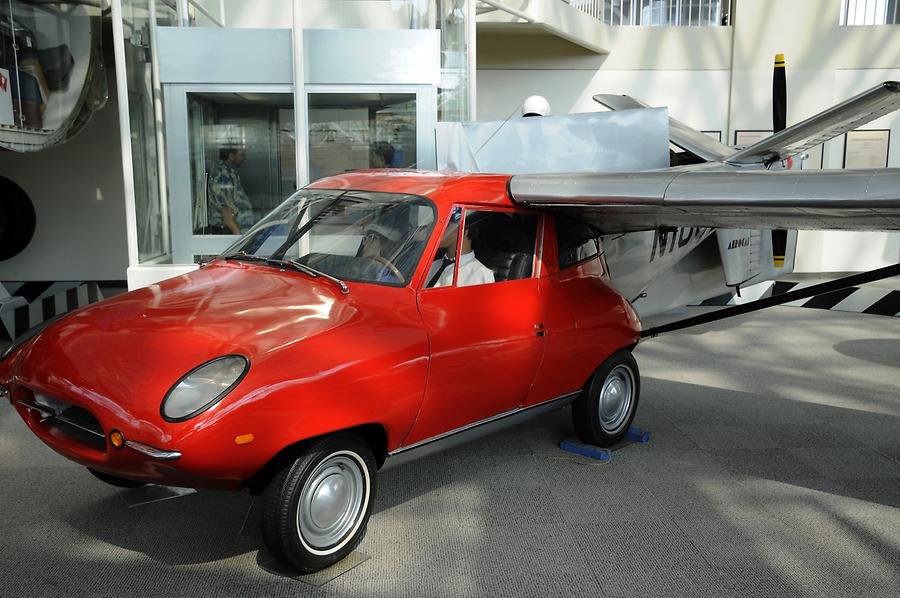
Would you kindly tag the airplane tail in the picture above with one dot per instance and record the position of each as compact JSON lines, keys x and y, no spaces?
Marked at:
{"x":837,"y":120}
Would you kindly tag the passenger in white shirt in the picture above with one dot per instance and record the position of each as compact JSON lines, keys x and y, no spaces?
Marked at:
{"x":471,"y":271}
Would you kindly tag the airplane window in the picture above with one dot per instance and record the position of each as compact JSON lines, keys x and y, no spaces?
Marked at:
{"x":577,"y":241}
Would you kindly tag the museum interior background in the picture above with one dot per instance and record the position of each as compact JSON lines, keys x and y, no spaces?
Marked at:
{"x":309,"y":88}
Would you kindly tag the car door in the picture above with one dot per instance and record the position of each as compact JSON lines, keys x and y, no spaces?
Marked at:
{"x":482,"y":313}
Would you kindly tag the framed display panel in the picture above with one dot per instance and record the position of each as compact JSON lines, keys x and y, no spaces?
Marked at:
{"x":867,"y":148}
{"x":748,"y":137}
{"x":717,"y":135}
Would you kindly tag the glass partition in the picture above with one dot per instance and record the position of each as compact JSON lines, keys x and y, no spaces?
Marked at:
{"x":147,"y":139}
{"x":241,"y":156}
{"x":352,"y":131}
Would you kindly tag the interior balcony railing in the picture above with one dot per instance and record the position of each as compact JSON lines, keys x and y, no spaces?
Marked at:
{"x":657,"y":13}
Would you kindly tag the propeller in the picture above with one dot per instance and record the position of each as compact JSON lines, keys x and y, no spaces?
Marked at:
{"x":779,"y":122}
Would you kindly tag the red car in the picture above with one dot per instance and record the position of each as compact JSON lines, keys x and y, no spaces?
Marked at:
{"x":368,"y":316}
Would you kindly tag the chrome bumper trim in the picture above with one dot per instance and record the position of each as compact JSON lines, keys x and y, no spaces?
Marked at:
{"x":152,"y":451}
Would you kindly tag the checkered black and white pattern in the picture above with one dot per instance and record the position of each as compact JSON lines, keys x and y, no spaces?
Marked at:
{"x":866,"y":300}
{"x":24,"y":305}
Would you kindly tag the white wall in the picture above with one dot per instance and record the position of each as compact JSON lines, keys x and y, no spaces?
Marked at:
{"x":77,"y":192}
{"x":717,"y":78}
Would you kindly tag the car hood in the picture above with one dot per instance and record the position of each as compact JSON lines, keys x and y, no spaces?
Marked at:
{"x":139,"y":344}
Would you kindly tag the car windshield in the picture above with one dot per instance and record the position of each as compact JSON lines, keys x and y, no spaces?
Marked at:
{"x":360,"y":236}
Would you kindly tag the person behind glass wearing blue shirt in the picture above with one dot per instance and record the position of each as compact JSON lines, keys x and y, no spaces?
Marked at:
{"x":229,"y":209}
{"x":381,"y":155}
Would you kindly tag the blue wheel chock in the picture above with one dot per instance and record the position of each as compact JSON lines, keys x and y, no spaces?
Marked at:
{"x":585,"y":450}
{"x":635,"y":434}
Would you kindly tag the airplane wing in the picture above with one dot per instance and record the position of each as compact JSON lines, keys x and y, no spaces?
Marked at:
{"x":846,"y":116}
{"x":721,"y":197}
{"x":680,"y":134}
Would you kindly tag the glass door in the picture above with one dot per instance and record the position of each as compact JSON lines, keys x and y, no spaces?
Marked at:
{"x":231,"y":160}
{"x":241,"y":157}
{"x":359,"y":128}
{"x":230,"y":150}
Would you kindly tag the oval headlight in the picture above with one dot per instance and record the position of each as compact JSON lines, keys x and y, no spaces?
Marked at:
{"x":203,"y":387}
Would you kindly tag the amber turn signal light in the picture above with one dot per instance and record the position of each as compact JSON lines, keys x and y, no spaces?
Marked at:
{"x":116,"y":439}
{"x":244,"y":439}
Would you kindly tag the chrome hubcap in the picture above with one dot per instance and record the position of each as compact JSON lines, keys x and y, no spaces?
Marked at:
{"x":333,"y":501}
{"x":616,"y":398}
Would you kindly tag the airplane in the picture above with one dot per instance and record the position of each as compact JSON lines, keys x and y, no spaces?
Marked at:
{"x":718,"y":218}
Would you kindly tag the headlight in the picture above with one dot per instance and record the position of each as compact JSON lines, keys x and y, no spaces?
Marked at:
{"x":203,"y":387}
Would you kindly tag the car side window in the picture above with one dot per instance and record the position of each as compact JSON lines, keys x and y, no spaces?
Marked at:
{"x":577,"y":241}
{"x":501,"y":247}
{"x":443,"y":266}
{"x":496,"y":246}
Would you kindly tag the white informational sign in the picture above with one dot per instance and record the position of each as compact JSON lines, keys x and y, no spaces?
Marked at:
{"x":618,"y":141}
{"x":6,"y":103}
{"x":867,"y":149}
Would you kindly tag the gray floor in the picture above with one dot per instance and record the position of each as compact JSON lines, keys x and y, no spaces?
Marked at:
{"x":774,"y":470}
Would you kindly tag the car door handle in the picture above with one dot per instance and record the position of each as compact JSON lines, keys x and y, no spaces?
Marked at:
{"x":539,"y":330}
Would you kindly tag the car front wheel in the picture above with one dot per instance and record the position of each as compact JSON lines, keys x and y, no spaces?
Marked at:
{"x":316,"y":509}
{"x":606,"y":407}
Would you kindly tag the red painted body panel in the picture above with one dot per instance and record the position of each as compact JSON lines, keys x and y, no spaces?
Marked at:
{"x":418,"y":363}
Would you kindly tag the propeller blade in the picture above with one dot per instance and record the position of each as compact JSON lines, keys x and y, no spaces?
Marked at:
{"x":779,"y":95}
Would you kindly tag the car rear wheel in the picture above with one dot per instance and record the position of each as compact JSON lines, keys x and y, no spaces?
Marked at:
{"x":315,"y":511}
{"x":116,"y":481}
{"x":606,"y":407}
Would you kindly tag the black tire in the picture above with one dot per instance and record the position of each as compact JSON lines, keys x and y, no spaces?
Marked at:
{"x":116,"y":481}
{"x":339,"y":464}
{"x":599,"y":417}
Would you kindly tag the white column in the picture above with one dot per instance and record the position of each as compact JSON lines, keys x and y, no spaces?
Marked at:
{"x":125,"y":132}
{"x":471,"y":28}
{"x":301,"y":133}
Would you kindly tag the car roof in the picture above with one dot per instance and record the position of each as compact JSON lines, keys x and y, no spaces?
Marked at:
{"x":441,"y":187}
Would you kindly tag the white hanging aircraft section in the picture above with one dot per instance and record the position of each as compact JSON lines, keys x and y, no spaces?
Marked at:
{"x":51,"y":71}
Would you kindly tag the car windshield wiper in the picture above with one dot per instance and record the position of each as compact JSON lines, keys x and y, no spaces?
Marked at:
{"x":313,"y":272}
{"x":295,"y":265}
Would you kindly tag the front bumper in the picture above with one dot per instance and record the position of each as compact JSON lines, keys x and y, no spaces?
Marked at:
{"x":81,"y":432}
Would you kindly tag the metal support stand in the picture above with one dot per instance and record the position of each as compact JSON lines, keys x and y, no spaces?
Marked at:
{"x":737,"y":310}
